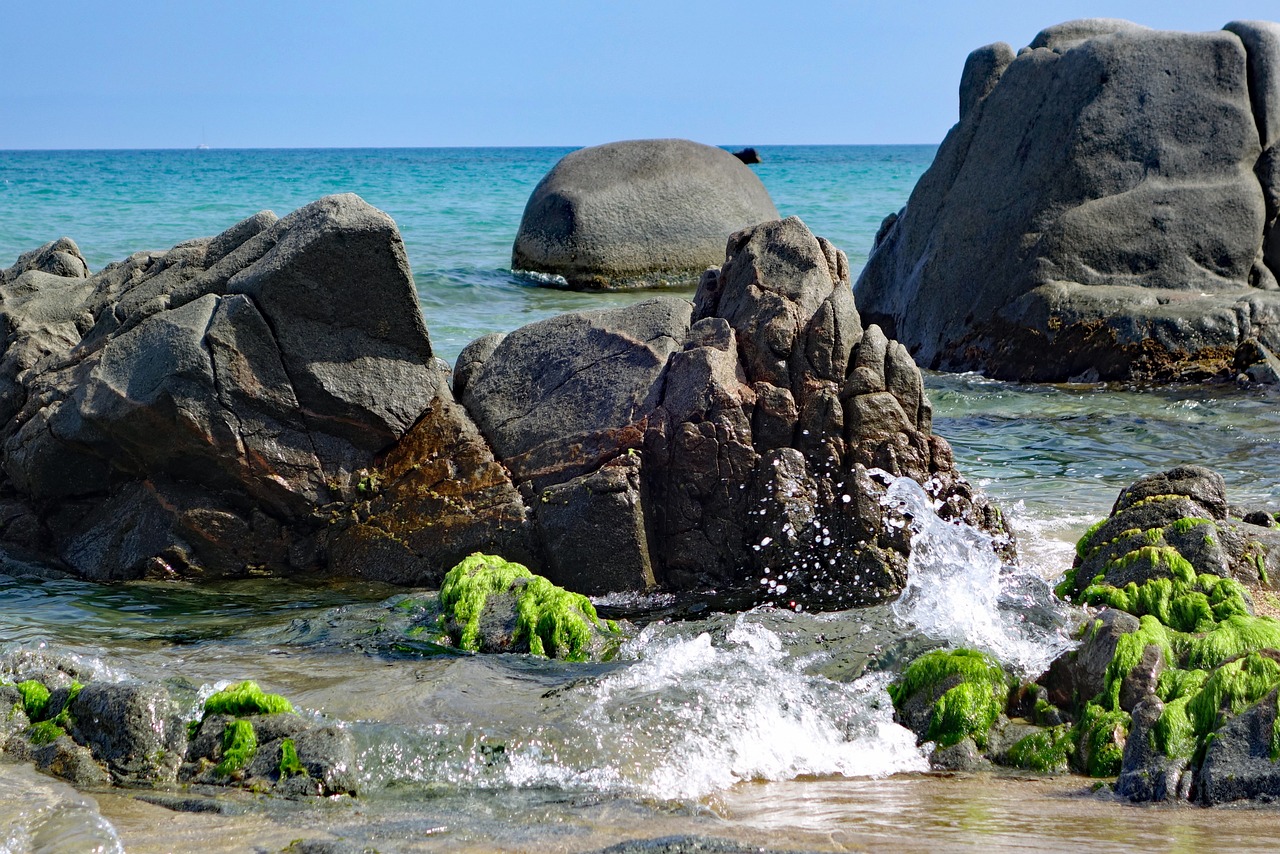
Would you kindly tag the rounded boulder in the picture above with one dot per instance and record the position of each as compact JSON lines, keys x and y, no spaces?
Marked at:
{"x":640,"y":213}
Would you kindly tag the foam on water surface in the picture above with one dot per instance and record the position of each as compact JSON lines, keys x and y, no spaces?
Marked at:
{"x":960,"y":593}
{"x":40,"y":815}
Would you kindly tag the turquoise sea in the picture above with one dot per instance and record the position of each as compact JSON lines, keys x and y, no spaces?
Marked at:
{"x":785,"y":748}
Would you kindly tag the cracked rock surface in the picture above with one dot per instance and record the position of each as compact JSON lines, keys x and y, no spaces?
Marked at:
{"x":266,"y":402}
{"x":1104,"y":209}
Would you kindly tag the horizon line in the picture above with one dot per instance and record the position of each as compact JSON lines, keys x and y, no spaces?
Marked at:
{"x":451,"y":147}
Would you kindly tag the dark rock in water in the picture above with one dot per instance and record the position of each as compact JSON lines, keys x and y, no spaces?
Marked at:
{"x":184,"y":413}
{"x":61,"y":758}
{"x":439,"y":495}
{"x":1081,"y":673}
{"x":637,"y":213}
{"x":689,"y":845}
{"x":135,"y":729}
{"x":595,"y":530}
{"x":1105,"y":205}
{"x":748,"y":156}
{"x":1255,"y":363}
{"x":1146,"y":773}
{"x":1172,"y":524}
{"x":1241,"y":761}
{"x":266,"y":402}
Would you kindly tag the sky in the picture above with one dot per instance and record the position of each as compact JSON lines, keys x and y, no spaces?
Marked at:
{"x":285,"y":73}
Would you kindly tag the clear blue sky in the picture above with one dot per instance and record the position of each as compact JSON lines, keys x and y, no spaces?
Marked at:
{"x":133,"y":74}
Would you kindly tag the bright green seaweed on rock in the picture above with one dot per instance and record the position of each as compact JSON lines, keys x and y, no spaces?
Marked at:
{"x":969,"y":708}
{"x":239,"y":744}
{"x":245,"y":698}
{"x":552,"y":621}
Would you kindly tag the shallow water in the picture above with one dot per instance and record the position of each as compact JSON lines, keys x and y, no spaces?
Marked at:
{"x":770,"y":728}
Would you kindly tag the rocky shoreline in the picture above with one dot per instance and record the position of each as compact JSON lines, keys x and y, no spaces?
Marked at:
{"x":267,"y":403}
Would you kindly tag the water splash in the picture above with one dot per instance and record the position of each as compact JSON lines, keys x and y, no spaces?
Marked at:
{"x":690,"y":716}
{"x":39,"y":814}
{"x":960,"y":593}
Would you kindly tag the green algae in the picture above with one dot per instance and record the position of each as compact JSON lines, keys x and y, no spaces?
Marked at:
{"x":1234,"y":636}
{"x":1194,"y":605}
{"x":1065,"y":589}
{"x":290,"y":765}
{"x":245,"y":698}
{"x":1082,"y":546}
{"x":1175,"y":683}
{"x":1275,"y":733}
{"x":45,"y":732}
{"x":552,"y":621}
{"x":1158,"y":557}
{"x":1102,"y":734}
{"x":1129,"y":649}
{"x":1186,"y":523}
{"x":239,"y":744}
{"x":35,"y":698}
{"x":967,"y":709}
{"x":1048,"y":751}
{"x":1232,"y":688}
{"x":1174,"y":734}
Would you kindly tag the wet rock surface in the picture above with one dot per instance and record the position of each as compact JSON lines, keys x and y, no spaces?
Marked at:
{"x":1106,"y":204}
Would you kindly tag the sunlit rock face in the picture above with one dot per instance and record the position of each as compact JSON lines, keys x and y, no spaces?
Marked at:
{"x":267,"y":402}
{"x":1103,"y":209}
{"x":637,"y":213}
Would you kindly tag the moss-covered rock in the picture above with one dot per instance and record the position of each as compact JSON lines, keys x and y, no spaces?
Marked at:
{"x":946,"y":696}
{"x":239,"y":744}
{"x":494,"y":605}
{"x":1197,"y":660}
{"x":1047,"y":751}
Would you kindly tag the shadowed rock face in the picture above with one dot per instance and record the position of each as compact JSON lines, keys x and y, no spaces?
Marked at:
{"x":706,"y":447}
{"x":637,"y":213}
{"x":267,"y":402}
{"x":187,"y":411}
{"x":1104,"y":209}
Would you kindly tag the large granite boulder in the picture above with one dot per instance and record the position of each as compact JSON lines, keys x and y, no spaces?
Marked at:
{"x":1104,"y":209}
{"x":186,"y":412}
{"x":637,"y":213}
{"x":727,"y":445}
{"x":267,"y":402}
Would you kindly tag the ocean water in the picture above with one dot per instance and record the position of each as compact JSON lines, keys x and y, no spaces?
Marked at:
{"x":770,"y":727}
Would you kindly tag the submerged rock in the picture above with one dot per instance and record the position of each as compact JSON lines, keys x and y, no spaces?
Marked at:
{"x":637,"y":213}
{"x":1105,"y":206}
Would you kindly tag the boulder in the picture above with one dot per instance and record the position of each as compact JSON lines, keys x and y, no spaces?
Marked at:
{"x":707,"y":449}
{"x":60,"y":258}
{"x":637,"y":213}
{"x":1241,"y":761}
{"x":266,"y":402}
{"x":135,"y":729}
{"x":186,"y":412}
{"x":1105,"y":206}
{"x":1176,"y":524}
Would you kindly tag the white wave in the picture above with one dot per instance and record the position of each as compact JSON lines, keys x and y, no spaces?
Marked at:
{"x":40,"y":815}
{"x":693,"y":716}
{"x":959,"y":592}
